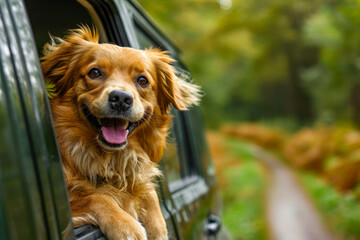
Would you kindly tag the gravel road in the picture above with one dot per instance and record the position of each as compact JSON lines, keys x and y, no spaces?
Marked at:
{"x":291,"y":215}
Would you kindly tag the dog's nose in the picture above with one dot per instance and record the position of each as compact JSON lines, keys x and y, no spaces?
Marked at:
{"x":120,"y":100}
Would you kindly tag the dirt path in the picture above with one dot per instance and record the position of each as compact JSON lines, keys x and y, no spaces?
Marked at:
{"x":291,"y":216}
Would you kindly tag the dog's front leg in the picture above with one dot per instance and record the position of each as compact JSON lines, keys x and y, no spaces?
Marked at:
{"x":153,"y":219}
{"x":113,"y":221}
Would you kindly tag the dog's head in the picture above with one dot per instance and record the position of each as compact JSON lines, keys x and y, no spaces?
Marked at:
{"x":113,"y":89}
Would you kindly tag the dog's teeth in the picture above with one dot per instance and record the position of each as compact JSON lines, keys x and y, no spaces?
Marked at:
{"x":99,"y":121}
{"x":126,"y":125}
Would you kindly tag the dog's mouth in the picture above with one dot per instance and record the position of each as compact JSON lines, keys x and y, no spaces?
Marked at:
{"x":113,"y":132}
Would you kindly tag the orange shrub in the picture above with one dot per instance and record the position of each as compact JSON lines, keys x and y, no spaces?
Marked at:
{"x":335,"y":152}
{"x":308,"y":148}
{"x":261,"y":135}
{"x":344,"y":141}
{"x":345,"y":175}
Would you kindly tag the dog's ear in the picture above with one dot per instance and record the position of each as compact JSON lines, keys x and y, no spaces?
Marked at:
{"x":62,"y":55}
{"x":170,"y":87}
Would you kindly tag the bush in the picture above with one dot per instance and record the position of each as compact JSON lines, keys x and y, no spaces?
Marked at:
{"x":261,"y":135}
{"x":308,"y":148}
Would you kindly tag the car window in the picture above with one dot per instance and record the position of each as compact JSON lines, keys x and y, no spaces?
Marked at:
{"x":170,"y":159}
{"x":47,"y":20}
{"x":143,"y":39}
{"x":180,"y":163}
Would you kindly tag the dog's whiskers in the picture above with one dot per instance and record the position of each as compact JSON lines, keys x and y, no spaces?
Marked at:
{"x":88,"y":112}
{"x":150,"y":114}
{"x":147,"y":123}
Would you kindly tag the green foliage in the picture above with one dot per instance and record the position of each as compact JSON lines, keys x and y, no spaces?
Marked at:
{"x":333,"y":80}
{"x":340,"y":211}
{"x":243,"y":213}
{"x":260,"y":60}
{"x":240,"y":150}
{"x":244,"y":210}
{"x":50,"y":89}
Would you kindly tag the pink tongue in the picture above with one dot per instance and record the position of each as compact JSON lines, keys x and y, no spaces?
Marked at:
{"x":114,"y":134}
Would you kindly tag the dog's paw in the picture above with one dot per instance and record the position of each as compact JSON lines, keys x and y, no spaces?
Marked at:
{"x":127,"y":231}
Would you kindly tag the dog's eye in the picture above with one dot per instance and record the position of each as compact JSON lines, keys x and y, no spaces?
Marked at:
{"x":142,"y":81}
{"x":95,"y":73}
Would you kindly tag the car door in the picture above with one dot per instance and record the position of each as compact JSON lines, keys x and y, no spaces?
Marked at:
{"x":33,"y":198}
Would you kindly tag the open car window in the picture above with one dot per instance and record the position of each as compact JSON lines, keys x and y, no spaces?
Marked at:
{"x":184,"y":187}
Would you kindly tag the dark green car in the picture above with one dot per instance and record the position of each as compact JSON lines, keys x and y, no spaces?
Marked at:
{"x":33,"y":196}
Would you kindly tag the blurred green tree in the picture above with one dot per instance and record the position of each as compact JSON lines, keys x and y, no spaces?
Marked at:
{"x":269,"y":59}
{"x":334,"y":80}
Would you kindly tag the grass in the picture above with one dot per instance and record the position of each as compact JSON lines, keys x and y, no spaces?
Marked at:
{"x":340,"y":211}
{"x":243,"y":211}
{"x":240,"y":149}
{"x":243,"y":181}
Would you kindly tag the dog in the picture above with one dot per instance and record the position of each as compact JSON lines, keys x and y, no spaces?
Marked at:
{"x":110,"y":111}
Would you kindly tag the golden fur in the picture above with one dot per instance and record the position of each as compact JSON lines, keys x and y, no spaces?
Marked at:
{"x":112,"y":187}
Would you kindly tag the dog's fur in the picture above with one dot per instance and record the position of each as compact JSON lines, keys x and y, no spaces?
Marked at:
{"x":112,"y":186}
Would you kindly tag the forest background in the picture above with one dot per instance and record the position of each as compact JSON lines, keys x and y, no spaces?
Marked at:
{"x":291,"y":63}
{"x":283,"y":76}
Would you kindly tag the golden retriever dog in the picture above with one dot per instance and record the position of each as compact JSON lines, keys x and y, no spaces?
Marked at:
{"x":110,"y":110}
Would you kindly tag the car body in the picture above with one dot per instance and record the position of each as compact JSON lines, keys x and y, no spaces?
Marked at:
{"x":33,"y":197}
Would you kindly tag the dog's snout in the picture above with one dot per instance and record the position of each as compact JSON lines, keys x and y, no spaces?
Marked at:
{"x":120,"y":100}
